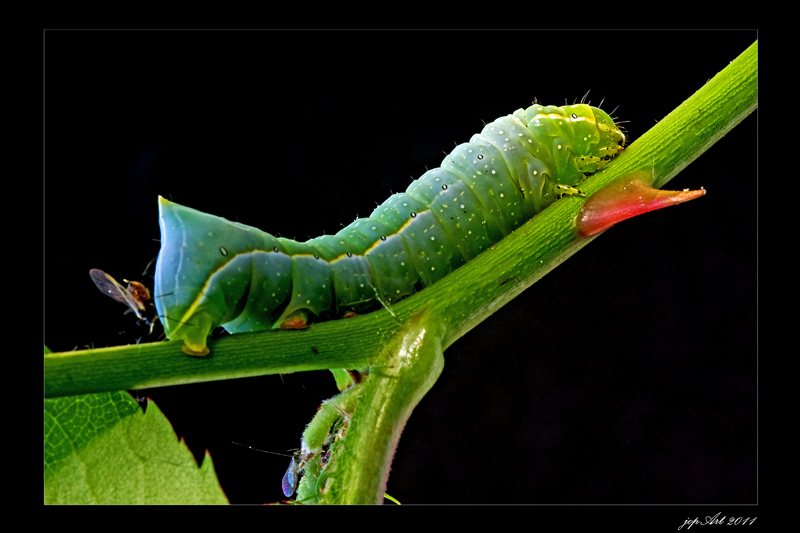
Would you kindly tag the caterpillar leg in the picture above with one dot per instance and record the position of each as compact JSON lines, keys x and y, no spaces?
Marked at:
{"x":626,"y":198}
{"x":568,"y":190}
{"x":296,"y":320}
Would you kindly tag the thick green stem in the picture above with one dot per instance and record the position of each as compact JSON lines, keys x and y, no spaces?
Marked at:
{"x":398,"y":379}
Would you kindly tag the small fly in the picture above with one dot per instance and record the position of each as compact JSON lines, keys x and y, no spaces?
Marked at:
{"x":136,"y":296}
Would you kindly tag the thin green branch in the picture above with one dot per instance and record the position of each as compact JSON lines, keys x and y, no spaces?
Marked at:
{"x":461,"y":300}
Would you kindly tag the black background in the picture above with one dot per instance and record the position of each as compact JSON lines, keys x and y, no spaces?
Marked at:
{"x":627,"y":375}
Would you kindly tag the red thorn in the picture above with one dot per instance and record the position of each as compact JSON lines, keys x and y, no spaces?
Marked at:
{"x":623,"y":199}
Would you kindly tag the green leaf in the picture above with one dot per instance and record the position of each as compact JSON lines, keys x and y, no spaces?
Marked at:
{"x":101,"y":448}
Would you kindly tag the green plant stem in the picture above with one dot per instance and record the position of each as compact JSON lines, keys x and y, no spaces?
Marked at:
{"x":461,"y":300}
{"x":397,"y":381}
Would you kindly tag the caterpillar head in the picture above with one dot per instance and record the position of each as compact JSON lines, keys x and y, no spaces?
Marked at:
{"x":611,"y":137}
{"x":596,"y":138}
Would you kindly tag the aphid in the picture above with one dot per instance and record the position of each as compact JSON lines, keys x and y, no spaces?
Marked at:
{"x":293,"y":473}
{"x":291,"y":477}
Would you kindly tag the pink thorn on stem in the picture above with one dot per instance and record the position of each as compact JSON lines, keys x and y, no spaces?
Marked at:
{"x":623,"y":199}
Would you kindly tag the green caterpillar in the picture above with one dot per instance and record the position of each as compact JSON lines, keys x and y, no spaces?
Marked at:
{"x":213,"y":272}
